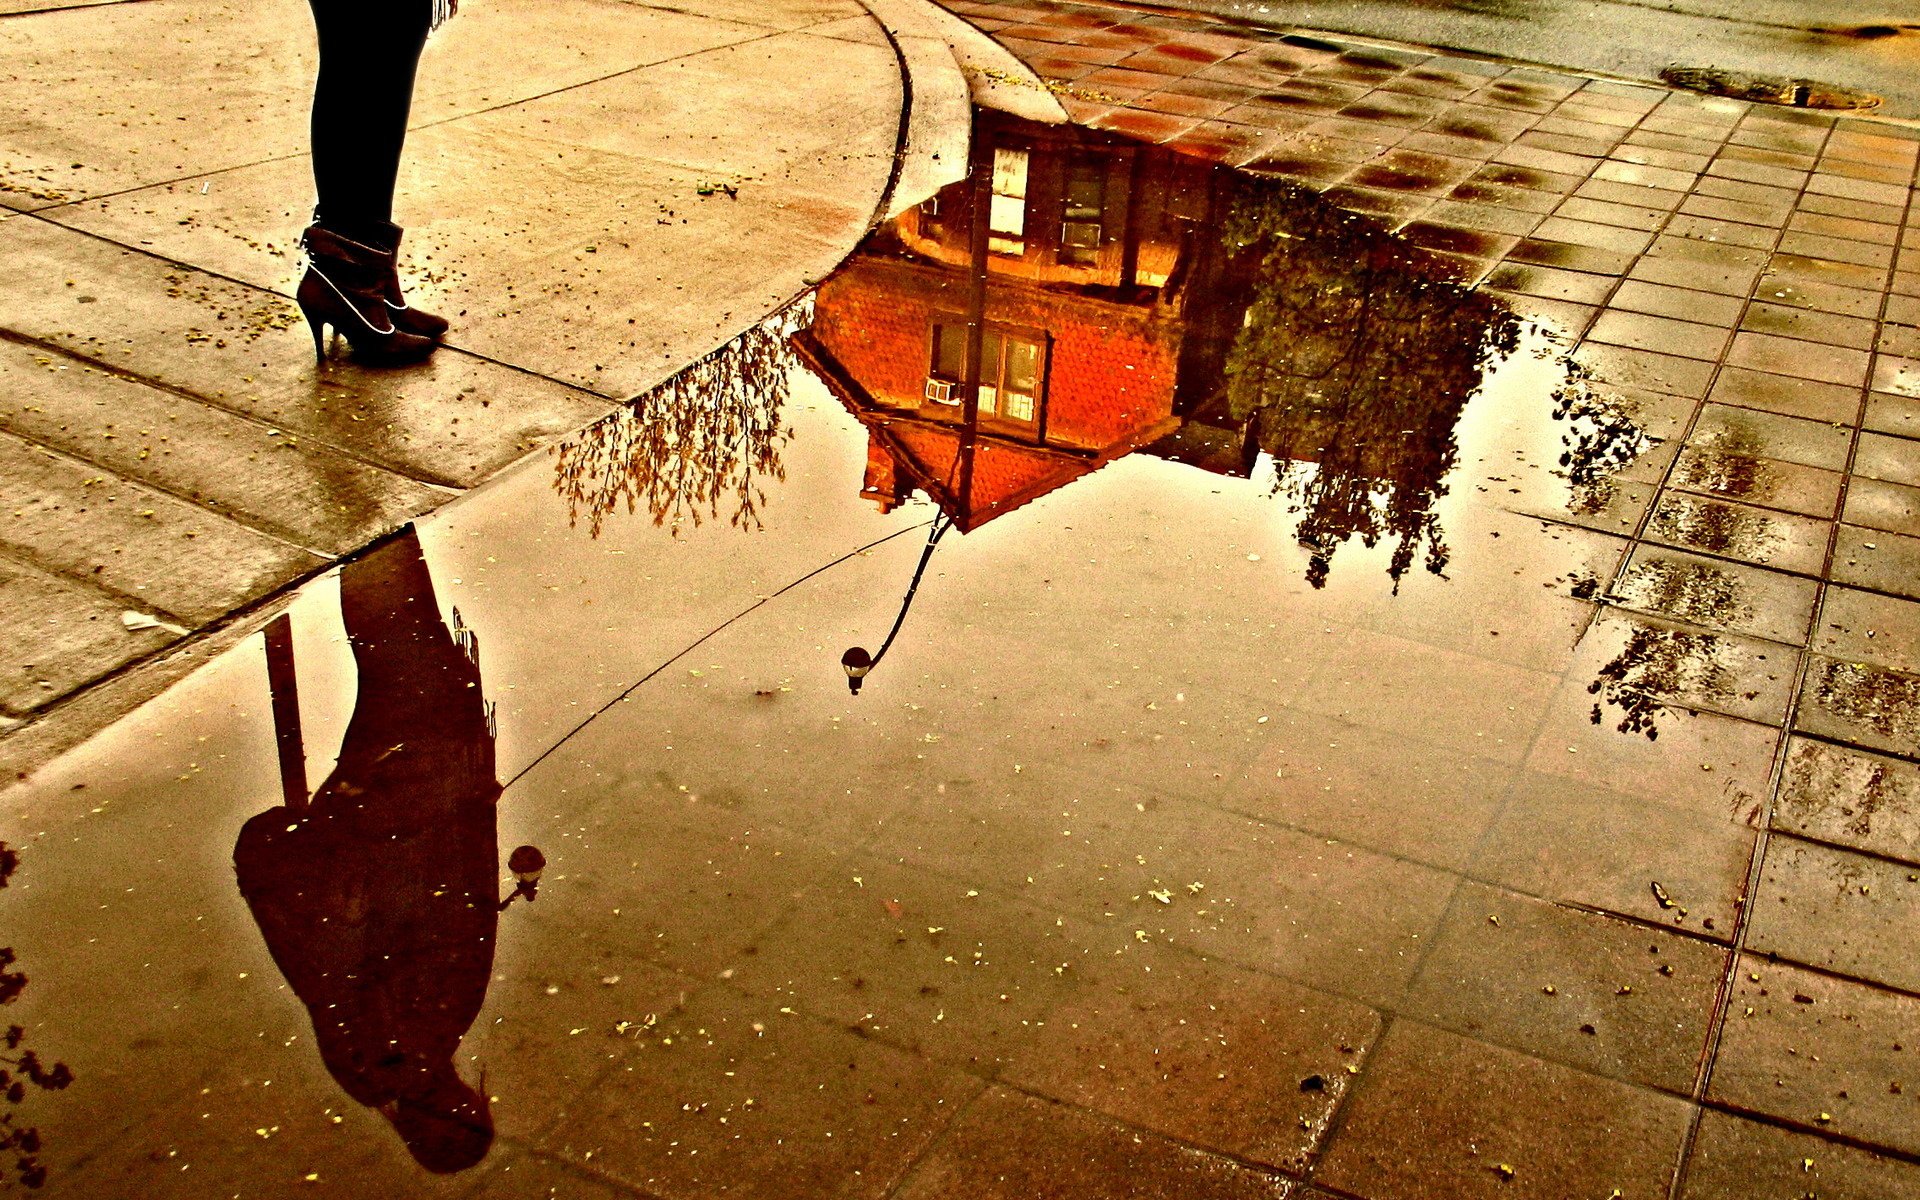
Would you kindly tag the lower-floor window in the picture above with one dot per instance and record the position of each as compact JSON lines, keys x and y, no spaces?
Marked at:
{"x":1009,"y":370}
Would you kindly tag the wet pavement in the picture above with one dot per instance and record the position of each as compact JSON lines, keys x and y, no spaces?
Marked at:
{"x":1319,"y":732}
{"x":170,"y":454}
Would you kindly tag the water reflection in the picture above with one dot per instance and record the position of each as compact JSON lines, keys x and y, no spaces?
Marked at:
{"x":707,"y":440}
{"x":378,"y":897}
{"x":22,"y":1071}
{"x":1082,"y":297}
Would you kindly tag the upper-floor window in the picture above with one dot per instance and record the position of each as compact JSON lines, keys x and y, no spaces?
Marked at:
{"x":1080,"y":221}
{"x":1007,"y":212}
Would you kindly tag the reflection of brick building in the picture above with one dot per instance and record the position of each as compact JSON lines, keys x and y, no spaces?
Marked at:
{"x":1086,"y":281}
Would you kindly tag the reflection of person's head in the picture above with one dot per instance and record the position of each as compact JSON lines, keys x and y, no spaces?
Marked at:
{"x":446,"y":1124}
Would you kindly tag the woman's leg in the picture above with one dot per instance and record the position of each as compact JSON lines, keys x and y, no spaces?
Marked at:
{"x":368,"y":52}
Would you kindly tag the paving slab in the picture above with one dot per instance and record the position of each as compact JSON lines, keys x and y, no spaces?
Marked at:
{"x":1862,"y":705}
{"x":1609,"y":997}
{"x":1007,"y":1145}
{"x":1850,"y":797}
{"x":311,"y":495}
{"x":1823,"y":1054}
{"x":1443,"y":1114}
{"x":1717,"y":594}
{"x":64,"y":634}
{"x":1595,"y":849}
{"x":1837,"y":910}
{"x":170,"y":558}
{"x":1735,"y":1157}
{"x":806,"y":1113}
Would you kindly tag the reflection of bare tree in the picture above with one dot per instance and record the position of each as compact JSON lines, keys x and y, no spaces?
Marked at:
{"x":21,"y":1068}
{"x":705,"y":439}
{"x":1353,"y":361}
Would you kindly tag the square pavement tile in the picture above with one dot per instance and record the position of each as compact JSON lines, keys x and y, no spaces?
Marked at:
{"x":1586,"y":845}
{"x":1821,"y":1053}
{"x":1702,"y":762}
{"x":1885,"y":562}
{"x":1642,"y":669}
{"x":1667,"y":373}
{"x":1878,"y":504}
{"x":1833,"y":329}
{"x":1439,"y":1115}
{"x":1769,"y":435}
{"x":1804,"y":360}
{"x":1215,"y":1056}
{"x":1738,"y":1159}
{"x":1894,"y":459}
{"x":1007,"y":1146}
{"x":1350,"y":782}
{"x":1687,"y":339}
{"x":1783,"y":394}
{"x":1717,"y":594}
{"x":1579,"y":988}
{"x":1899,"y":377}
{"x":1851,"y":797}
{"x":867,"y":955}
{"x":1754,"y":535}
{"x":730,"y":1094}
{"x":1866,"y":627}
{"x":1685,"y":304}
{"x":1862,"y":705}
{"x":1754,"y":479}
{"x":1839,"y":911}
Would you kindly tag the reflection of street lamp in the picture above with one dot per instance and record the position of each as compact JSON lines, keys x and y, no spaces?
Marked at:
{"x":526,"y":863}
{"x":856,"y":660}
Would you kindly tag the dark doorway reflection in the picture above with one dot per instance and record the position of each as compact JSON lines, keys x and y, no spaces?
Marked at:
{"x":1083,"y":296}
{"x":378,"y":897}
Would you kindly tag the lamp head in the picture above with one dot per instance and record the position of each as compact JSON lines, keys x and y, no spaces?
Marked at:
{"x":526,"y":863}
{"x":857,"y":663}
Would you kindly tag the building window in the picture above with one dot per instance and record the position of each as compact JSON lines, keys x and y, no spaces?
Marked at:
{"x":1080,"y":230}
{"x":1007,"y":213}
{"x":1009,"y":370}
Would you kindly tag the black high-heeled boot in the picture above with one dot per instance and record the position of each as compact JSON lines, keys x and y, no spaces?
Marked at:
{"x":346,"y":287}
{"x":386,"y":237}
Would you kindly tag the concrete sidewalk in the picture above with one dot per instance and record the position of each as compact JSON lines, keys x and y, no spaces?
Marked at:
{"x":600,"y":192}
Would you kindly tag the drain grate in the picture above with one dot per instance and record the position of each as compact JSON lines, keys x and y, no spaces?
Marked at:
{"x":1767,"y":89}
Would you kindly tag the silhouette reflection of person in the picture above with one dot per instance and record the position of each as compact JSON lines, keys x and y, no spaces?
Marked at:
{"x":378,"y":898}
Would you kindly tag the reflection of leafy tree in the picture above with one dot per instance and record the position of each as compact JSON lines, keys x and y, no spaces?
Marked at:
{"x":1656,"y":663}
{"x":20,"y":1068}
{"x":1353,"y":362}
{"x":1601,"y":439}
{"x":706,"y":437}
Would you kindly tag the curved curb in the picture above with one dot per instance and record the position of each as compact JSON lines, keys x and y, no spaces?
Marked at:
{"x":947,"y":68}
{"x":938,"y":109}
{"x":996,"y":78}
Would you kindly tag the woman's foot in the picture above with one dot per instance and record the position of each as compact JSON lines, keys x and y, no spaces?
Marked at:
{"x":346,"y":286}
{"x":386,"y":237}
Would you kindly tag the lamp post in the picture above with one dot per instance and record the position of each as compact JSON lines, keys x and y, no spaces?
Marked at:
{"x":856,"y":661}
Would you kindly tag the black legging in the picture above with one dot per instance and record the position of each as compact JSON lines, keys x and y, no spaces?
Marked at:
{"x":368,"y":52}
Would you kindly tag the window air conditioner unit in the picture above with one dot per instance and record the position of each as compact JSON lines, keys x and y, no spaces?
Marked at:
{"x":940,"y":391}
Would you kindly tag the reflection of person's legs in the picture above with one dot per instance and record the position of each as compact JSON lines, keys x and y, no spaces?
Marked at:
{"x":369,"y":50}
{"x":405,"y":655}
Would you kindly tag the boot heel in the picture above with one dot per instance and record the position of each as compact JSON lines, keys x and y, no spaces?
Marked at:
{"x":317,"y":325}
{"x":342,"y":289}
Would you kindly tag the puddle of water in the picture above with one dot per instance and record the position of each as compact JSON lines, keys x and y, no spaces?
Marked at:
{"x":1244,"y":559}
